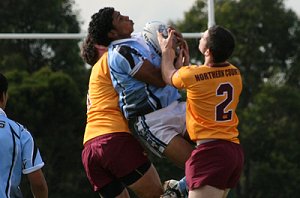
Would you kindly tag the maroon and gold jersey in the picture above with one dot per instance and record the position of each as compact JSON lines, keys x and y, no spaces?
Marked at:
{"x":103,"y":112}
{"x":212,"y":98}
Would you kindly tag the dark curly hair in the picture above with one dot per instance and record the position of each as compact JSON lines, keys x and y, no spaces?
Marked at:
{"x":101,"y":25}
{"x":221,"y":43}
{"x":88,"y":51}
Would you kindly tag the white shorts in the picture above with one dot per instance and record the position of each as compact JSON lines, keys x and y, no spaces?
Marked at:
{"x":158,"y":128}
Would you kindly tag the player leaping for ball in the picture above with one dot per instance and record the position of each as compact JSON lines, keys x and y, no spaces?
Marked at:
{"x":103,"y":108}
{"x":213,"y":91}
{"x":154,"y":109}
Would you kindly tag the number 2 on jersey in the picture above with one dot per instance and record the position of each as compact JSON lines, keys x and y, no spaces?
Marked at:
{"x":221,"y":113}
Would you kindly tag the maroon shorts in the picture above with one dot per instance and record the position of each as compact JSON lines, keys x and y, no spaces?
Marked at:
{"x":110,"y":157}
{"x":218,"y":163}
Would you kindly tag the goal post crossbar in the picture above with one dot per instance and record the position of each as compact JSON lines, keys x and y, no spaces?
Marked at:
{"x":67,"y":35}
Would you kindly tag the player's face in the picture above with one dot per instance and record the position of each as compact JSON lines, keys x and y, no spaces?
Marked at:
{"x":123,"y":26}
{"x":203,"y":42}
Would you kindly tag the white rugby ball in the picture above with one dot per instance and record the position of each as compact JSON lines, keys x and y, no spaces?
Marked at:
{"x":150,"y":35}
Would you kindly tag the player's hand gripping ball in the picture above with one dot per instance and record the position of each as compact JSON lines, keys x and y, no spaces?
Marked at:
{"x":150,"y":34}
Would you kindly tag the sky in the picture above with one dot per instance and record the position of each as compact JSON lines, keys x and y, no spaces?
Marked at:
{"x":142,"y":11}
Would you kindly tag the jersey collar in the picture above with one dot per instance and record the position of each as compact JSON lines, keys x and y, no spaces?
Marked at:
{"x":225,"y":64}
{"x":2,"y":112}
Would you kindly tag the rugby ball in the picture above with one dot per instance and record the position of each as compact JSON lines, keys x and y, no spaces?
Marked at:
{"x":150,"y":34}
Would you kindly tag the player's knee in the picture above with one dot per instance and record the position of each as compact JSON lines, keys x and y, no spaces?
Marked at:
{"x":149,"y":185}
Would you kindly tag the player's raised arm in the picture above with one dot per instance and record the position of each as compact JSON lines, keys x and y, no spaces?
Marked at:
{"x":168,"y":55}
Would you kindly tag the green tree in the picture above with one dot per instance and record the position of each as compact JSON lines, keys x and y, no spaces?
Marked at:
{"x":271,"y":131}
{"x":48,"y":83}
{"x":49,"y":104}
{"x":47,"y":16}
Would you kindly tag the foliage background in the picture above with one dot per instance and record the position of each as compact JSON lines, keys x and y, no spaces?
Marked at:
{"x":48,"y":83}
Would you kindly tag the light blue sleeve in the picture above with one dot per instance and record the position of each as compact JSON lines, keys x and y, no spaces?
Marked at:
{"x":31,"y":157}
{"x":125,"y":60}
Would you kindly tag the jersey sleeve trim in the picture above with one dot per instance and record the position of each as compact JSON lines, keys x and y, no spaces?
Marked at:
{"x":32,"y":169}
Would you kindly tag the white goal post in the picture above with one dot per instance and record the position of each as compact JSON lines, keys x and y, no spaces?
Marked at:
{"x":211,"y":13}
{"x":65,"y":35}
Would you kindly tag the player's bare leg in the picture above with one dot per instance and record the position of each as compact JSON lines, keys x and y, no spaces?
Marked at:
{"x":206,"y":191}
{"x":148,"y":186}
{"x":226,"y":192}
{"x":178,"y":150}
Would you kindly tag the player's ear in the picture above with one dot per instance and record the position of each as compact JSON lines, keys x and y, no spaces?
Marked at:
{"x":207,"y":52}
{"x":3,"y":100}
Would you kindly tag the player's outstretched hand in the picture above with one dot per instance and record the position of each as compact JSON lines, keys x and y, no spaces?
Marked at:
{"x":166,"y":44}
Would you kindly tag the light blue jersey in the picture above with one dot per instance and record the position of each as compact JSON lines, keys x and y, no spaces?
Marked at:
{"x":18,"y":154}
{"x":136,"y":98}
